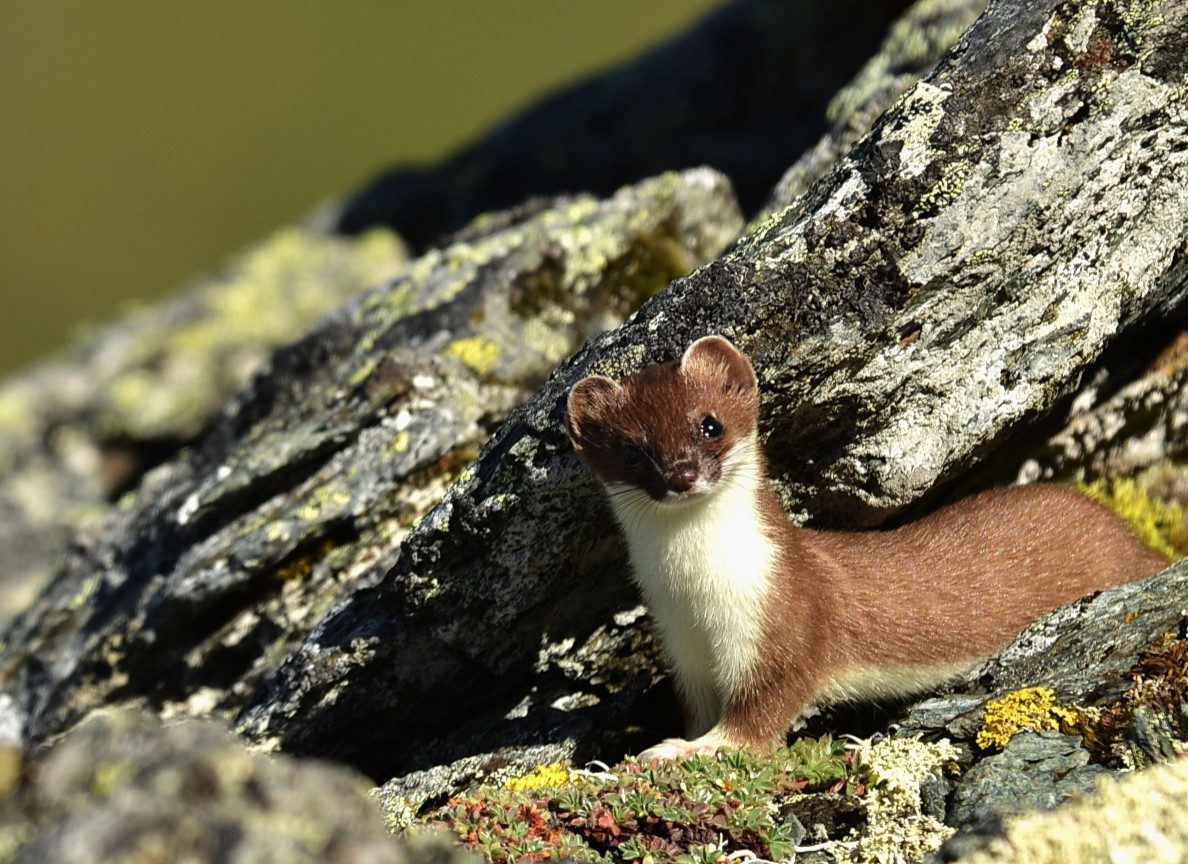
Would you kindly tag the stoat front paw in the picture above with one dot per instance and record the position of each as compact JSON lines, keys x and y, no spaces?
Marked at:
{"x":679,"y":748}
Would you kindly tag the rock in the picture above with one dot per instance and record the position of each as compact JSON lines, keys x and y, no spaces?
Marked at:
{"x":316,"y":471}
{"x":79,"y":430}
{"x":122,"y":787}
{"x":1144,"y":422}
{"x":330,"y":568}
{"x":894,"y":346}
{"x":1036,"y":771}
{"x":1138,"y":817}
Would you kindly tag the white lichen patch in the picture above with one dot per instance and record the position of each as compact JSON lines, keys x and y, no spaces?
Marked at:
{"x":920,"y":112}
{"x":898,"y":831}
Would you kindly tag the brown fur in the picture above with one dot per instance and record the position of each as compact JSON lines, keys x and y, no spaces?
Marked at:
{"x":952,"y":588}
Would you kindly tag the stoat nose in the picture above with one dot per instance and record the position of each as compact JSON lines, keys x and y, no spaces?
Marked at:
{"x":682,"y":478}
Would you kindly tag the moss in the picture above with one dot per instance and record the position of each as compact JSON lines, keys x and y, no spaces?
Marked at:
{"x":477,"y":352}
{"x":1033,"y":708}
{"x":300,"y":566}
{"x":1157,"y":523}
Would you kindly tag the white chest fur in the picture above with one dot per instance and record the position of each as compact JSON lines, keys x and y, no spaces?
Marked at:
{"x":703,"y":567}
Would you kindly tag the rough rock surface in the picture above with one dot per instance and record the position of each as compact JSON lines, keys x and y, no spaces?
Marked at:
{"x":1139,"y":817}
{"x":78,"y":430}
{"x":121,"y":787}
{"x":198,"y":587}
{"x":1086,"y":653}
{"x":1036,"y":771}
{"x":914,"y":44}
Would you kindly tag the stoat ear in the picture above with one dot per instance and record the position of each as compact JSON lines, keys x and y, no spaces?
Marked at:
{"x":587,"y":399}
{"x":717,"y":354}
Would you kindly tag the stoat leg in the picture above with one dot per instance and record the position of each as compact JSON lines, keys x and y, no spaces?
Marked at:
{"x":680,"y":748}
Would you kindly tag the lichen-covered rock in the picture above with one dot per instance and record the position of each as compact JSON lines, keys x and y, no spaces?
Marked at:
{"x":80,"y":429}
{"x":1036,"y":771}
{"x":195,"y":590}
{"x":894,"y":345}
{"x":1139,"y":817}
{"x":1098,"y":685}
{"x":121,"y":787}
{"x":898,"y":827}
{"x":1142,"y":423}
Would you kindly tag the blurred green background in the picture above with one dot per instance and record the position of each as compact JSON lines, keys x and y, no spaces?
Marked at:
{"x":140,"y":143}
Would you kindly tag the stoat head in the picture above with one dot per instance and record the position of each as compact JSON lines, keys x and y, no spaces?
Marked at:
{"x":677,"y":431}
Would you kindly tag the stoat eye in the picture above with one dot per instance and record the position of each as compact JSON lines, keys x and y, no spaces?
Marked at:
{"x":634,"y":456}
{"x":711,"y":428}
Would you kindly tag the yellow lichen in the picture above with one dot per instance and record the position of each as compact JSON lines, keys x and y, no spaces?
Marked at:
{"x":399,"y":442}
{"x":544,"y":777}
{"x":1033,"y":708}
{"x":1156,"y":522}
{"x":323,"y":498}
{"x":477,"y":352}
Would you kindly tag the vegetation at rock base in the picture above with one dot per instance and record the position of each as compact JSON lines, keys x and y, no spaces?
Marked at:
{"x":857,"y":800}
{"x":692,"y":810}
{"x":1156,"y":695}
{"x":1158,"y":688}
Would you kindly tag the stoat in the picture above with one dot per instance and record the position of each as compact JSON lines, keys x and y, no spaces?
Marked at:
{"x":760,"y":618}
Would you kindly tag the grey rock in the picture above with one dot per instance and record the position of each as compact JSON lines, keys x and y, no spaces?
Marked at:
{"x":895,"y":348}
{"x":1082,"y":652}
{"x":122,"y":787}
{"x":310,"y":479}
{"x":1144,"y":422}
{"x":941,"y":289}
{"x":1035,"y":771}
{"x":78,"y":430}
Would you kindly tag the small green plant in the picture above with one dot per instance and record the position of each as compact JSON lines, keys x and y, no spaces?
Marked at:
{"x":697,"y":810}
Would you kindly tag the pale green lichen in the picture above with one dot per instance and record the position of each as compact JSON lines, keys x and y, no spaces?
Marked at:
{"x":916,"y":39}
{"x":399,"y":443}
{"x":1031,"y":708}
{"x":897,"y":829}
{"x":946,"y":189}
{"x":619,"y":364}
{"x":176,"y":375}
